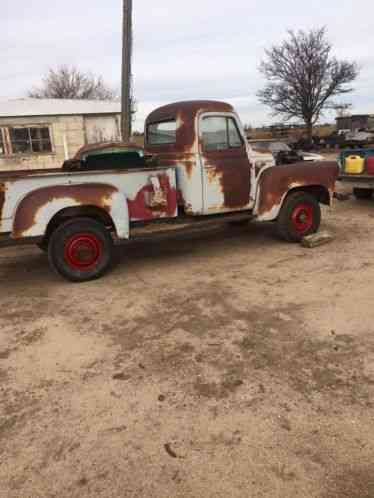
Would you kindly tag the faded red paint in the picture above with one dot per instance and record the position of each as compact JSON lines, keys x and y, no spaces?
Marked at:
{"x":140,"y":208}
{"x":277,"y":181}
{"x":88,"y":194}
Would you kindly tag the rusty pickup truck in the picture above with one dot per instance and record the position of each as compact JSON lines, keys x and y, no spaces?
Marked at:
{"x":197,"y":167}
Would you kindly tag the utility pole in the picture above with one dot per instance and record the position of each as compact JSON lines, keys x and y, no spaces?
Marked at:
{"x":126,"y":70}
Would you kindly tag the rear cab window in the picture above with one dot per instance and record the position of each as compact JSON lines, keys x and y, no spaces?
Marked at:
{"x":162,"y":133}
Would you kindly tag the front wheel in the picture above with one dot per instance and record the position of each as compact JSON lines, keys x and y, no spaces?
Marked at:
{"x":300,"y":216}
{"x":80,"y":250}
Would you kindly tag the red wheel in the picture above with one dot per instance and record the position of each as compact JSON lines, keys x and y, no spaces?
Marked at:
{"x":80,"y":250}
{"x":300,"y":216}
{"x":83,"y":251}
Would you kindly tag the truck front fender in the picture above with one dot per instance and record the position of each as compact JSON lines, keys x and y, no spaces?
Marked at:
{"x":275,"y":183}
{"x":35,"y":211}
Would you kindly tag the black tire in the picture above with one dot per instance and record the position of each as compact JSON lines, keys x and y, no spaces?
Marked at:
{"x":300,"y":216}
{"x":363,"y":193}
{"x":239,"y":223}
{"x":80,"y":250}
{"x":43,"y":246}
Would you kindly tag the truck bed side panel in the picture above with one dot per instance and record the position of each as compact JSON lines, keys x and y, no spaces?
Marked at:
{"x":27,"y":204}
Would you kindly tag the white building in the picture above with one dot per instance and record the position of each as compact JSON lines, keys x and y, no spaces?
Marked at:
{"x":42,"y":133}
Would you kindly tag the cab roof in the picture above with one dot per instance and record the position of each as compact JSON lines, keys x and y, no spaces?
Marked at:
{"x":187,"y":110}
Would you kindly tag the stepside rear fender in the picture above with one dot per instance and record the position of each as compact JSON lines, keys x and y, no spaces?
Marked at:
{"x":36,"y":210}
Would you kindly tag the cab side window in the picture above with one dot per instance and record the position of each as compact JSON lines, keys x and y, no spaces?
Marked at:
{"x":235,"y":140}
{"x":214,"y":133}
{"x":220,"y":133}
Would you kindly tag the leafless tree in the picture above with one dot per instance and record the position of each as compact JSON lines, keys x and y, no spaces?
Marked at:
{"x":304,"y":77}
{"x":342,"y":110}
{"x":67,"y":82}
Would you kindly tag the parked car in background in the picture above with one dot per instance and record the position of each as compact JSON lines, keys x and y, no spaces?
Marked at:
{"x":344,"y":139}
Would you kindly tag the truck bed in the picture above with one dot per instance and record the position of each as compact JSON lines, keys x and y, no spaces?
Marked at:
{"x":30,"y":198}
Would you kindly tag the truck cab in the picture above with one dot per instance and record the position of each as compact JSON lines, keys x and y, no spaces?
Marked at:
{"x":206,"y":143}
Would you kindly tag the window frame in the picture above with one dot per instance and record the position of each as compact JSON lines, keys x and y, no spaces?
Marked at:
{"x":6,"y":132}
{"x":156,"y":123}
{"x":227,"y":117}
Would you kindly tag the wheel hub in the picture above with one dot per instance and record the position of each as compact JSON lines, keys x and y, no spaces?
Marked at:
{"x":83,"y":251}
{"x":302,"y":218}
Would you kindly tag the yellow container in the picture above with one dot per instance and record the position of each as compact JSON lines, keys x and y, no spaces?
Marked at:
{"x":354,"y":165}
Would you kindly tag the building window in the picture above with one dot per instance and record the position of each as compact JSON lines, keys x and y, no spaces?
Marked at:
{"x":162,"y":133}
{"x":28,"y":140}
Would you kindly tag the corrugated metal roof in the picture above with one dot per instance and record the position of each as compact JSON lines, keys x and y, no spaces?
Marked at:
{"x":24,"y":107}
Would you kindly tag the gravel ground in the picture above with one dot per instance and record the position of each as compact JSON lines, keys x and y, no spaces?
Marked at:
{"x":223,"y":364}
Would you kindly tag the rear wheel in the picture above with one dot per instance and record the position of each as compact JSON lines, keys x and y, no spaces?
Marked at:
{"x":363,"y":193}
{"x":300,"y":216}
{"x":80,"y":250}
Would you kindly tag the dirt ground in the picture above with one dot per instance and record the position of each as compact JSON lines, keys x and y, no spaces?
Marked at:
{"x":221,"y":364}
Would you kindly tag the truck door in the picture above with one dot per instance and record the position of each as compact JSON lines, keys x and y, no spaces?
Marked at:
{"x":226,"y":170}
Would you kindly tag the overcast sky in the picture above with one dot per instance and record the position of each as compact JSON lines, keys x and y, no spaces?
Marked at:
{"x":182,"y":49}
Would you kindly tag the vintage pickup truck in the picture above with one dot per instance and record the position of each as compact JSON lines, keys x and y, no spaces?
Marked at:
{"x":197,"y":168}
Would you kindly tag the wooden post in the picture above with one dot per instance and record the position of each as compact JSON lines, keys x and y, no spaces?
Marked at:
{"x":126,"y":71}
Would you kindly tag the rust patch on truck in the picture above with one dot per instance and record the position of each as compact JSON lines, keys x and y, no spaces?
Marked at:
{"x":275,"y":182}
{"x":235,"y":181}
{"x":151,"y":203}
{"x":233,"y":169}
{"x":89,"y":194}
{"x":236,"y":185}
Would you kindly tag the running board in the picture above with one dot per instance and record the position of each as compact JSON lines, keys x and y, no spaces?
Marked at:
{"x":186,"y":224}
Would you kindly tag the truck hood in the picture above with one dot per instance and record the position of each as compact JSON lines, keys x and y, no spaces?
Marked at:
{"x":261,"y":159}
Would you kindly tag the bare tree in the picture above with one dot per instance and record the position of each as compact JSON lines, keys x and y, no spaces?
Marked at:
{"x":342,"y":110}
{"x":304,"y":77}
{"x":67,"y":82}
